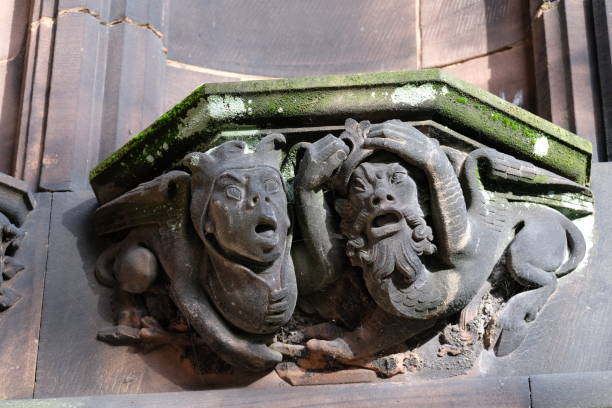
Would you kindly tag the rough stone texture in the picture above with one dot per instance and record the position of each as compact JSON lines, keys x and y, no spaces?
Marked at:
{"x":569,"y":332}
{"x":19,"y":325}
{"x":71,"y":361}
{"x":194,"y":123}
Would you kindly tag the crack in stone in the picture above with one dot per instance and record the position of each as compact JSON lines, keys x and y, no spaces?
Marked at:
{"x":127,"y":20}
{"x":486,"y":54}
{"x":212,"y":71}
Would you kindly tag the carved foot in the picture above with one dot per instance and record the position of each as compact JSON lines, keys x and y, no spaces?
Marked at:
{"x":8,"y":297}
{"x":337,"y":349}
{"x":514,"y":323}
{"x":151,"y":334}
{"x":120,"y":335}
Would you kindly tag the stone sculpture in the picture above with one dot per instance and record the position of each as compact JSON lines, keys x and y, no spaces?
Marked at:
{"x":10,"y":236}
{"x":396,"y":234}
{"x":218,"y":241}
{"x":415,"y":274}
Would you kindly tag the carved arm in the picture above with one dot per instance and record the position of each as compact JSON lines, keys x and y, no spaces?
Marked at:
{"x":321,"y":245}
{"x":448,"y":203}
{"x":233,"y":348}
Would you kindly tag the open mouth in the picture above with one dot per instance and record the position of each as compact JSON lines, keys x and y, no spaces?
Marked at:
{"x":266,"y":228}
{"x":386,"y":223}
{"x":386,"y":219}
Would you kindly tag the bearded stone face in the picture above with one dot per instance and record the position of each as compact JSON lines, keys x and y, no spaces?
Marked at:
{"x":384,"y":224}
{"x":247,"y":214}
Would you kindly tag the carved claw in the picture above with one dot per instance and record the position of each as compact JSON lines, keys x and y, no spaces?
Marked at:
{"x":405,"y":141}
{"x":120,"y":335}
{"x":513,"y":326}
{"x":320,"y":161}
{"x":337,"y":349}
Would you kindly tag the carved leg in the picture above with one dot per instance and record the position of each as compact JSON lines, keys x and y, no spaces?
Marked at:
{"x":530,"y":269}
{"x":367,"y":340}
{"x":135,"y":268}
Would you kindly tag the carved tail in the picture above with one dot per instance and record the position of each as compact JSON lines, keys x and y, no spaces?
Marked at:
{"x":426,"y":298}
{"x":577,"y":247}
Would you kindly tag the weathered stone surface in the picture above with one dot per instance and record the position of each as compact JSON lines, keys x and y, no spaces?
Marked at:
{"x":221,"y":236}
{"x":569,"y":333}
{"x":20,"y":324}
{"x":195,"y":123}
{"x":436,"y":220}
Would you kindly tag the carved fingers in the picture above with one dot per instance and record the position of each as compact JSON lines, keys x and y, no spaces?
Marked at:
{"x":320,"y":161}
{"x":405,"y":141}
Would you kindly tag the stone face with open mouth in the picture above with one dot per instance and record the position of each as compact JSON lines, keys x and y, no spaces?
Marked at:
{"x":247,"y":214}
{"x":386,"y":223}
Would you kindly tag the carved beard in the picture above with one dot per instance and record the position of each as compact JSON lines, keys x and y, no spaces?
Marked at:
{"x":399,"y":252}
{"x":393,"y":254}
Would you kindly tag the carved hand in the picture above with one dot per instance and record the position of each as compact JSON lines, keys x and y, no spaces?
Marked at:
{"x":320,"y":160}
{"x":236,"y":349}
{"x":406,"y":142}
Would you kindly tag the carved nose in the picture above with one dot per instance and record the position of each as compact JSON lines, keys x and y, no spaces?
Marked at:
{"x":256,"y":199}
{"x":382,"y":197}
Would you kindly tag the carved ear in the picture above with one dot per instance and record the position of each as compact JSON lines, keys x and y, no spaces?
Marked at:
{"x":343,"y":207}
{"x":271,"y":147}
{"x":195,"y":161}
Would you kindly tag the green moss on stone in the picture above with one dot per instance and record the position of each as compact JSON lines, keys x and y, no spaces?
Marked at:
{"x":194,"y":125}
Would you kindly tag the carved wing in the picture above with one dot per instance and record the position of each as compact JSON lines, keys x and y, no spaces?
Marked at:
{"x":165,"y":199}
{"x":512,"y":179}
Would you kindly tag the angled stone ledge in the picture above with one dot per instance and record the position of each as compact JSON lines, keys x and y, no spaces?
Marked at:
{"x":312,"y":105}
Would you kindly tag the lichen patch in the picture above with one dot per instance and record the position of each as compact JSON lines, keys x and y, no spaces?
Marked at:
{"x":413,"y":95}
{"x":540,"y":147}
{"x":225,"y":107}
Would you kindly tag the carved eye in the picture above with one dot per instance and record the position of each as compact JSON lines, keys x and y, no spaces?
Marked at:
{"x":233,"y":192}
{"x":271,"y":186}
{"x":359,"y":186}
{"x":398,"y":177}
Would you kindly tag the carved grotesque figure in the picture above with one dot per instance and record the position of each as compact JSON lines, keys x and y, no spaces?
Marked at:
{"x":10,"y":237}
{"x":416,"y":274}
{"x":386,"y":229}
{"x":222,"y":237}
